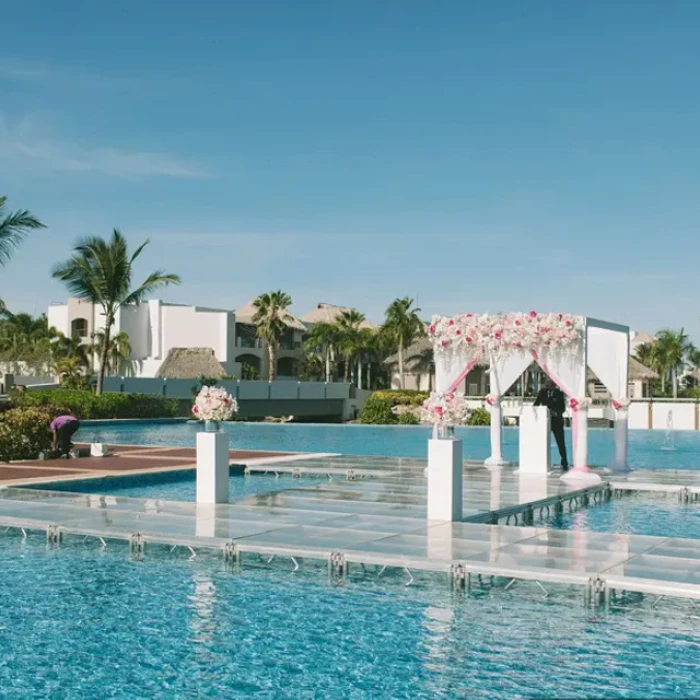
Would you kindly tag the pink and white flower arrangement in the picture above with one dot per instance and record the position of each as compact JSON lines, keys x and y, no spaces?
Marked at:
{"x":444,"y":409}
{"x":497,"y":334}
{"x":214,"y":403}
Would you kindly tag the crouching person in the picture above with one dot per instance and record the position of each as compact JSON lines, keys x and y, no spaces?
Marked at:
{"x":63,"y":428}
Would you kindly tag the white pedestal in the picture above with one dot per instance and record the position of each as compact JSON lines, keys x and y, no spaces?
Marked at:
{"x":205,"y":514}
{"x":212,"y":467}
{"x":532,"y":487}
{"x":580,"y":474}
{"x":619,"y":463}
{"x":445,"y":480}
{"x":535,"y":440}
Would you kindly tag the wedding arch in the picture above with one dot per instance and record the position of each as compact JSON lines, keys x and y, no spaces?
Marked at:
{"x":564,"y":346}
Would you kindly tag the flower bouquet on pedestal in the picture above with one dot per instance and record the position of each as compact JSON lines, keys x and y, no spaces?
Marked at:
{"x":443,"y":412}
{"x":213,"y":405}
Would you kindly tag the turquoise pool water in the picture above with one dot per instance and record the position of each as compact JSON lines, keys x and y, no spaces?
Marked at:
{"x":658,"y":515}
{"x":80,"y":624}
{"x":646,"y":447}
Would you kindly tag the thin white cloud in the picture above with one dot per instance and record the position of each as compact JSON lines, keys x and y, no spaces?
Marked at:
{"x":16,"y":70}
{"x":24,"y":146}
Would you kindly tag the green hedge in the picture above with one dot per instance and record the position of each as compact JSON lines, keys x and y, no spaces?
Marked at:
{"x":408,"y":419}
{"x":89,"y":406}
{"x":24,"y":433}
{"x":403,"y":397}
{"x":377,"y":411}
{"x":479,"y":416}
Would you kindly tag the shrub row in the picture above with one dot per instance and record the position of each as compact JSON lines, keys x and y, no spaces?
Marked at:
{"x":379,"y":409}
{"x":89,"y":406}
{"x":24,"y":433}
{"x":403,"y":397}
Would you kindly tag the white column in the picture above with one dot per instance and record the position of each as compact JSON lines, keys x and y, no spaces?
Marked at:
{"x":580,"y":470}
{"x":621,"y":439}
{"x":581,"y":446}
{"x":496,"y":458}
{"x":445,"y":480}
{"x":212,"y":467}
{"x":535,"y":440}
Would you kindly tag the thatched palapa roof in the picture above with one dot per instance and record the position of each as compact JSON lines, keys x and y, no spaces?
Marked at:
{"x":246,"y":313}
{"x":190,"y":363}
{"x":330,"y":313}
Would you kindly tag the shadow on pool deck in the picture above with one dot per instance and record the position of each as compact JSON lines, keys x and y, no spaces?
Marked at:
{"x":124,"y":459}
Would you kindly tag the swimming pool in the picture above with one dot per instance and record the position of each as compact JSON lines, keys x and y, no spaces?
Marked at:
{"x":86,"y":623}
{"x":646,"y":447}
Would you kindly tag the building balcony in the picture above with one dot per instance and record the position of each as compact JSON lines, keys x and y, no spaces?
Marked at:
{"x":243,"y":341}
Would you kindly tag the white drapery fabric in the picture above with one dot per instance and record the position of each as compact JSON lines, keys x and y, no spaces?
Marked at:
{"x":504,"y":371}
{"x":567,"y":370}
{"x":451,"y":368}
{"x":608,"y":358}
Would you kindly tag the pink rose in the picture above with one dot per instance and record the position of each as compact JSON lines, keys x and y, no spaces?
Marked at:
{"x":533,"y":314}
{"x":469,"y":340}
{"x":568,"y":324}
{"x":444,"y":343}
{"x":498,"y":335}
{"x":451,"y":322}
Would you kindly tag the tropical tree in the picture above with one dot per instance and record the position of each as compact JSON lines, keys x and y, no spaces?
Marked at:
{"x":403,"y":326}
{"x":323,"y":338}
{"x":694,"y":362}
{"x":672,"y":348}
{"x":118,"y":352}
{"x":270,"y":318}
{"x":312,"y":368}
{"x":646,"y":354}
{"x":101,"y":271}
{"x":14,"y":226}
{"x":349,"y":337}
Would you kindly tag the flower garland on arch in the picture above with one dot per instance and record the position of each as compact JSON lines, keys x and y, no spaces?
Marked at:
{"x":444,"y":409}
{"x":501,"y":334}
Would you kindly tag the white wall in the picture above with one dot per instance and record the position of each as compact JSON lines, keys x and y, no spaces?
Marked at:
{"x":133,"y":320}
{"x":682,"y":415}
{"x":58,"y":318}
{"x":188,"y":327}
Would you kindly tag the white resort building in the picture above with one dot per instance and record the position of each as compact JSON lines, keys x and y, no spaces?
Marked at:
{"x":251,"y":353}
{"x":154,"y":328}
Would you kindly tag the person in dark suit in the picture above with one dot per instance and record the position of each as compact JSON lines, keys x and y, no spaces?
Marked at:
{"x":553,"y":398}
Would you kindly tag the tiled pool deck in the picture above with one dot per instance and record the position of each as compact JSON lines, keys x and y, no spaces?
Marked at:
{"x":378,"y":517}
{"x":131,"y":459}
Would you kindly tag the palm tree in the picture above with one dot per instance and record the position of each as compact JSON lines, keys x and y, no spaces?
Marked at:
{"x":672,"y":348}
{"x":100,"y":271}
{"x":646,"y":355}
{"x":348,"y":325}
{"x":694,"y":361}
{"x":118,"y":352}
{"x":271,"y":320}
{"x":13,"y":228}
{"x":323,"y":337}
{"x":404,"y":326}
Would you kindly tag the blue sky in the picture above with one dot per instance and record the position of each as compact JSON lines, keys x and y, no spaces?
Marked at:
{"x":485,"y":155}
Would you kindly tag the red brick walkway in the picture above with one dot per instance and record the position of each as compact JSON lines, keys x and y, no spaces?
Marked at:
{"x":124,"y":459}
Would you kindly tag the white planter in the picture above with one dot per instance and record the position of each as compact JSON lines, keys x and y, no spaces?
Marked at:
{"x":445,"y":480}
{"x":212,"y":467}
